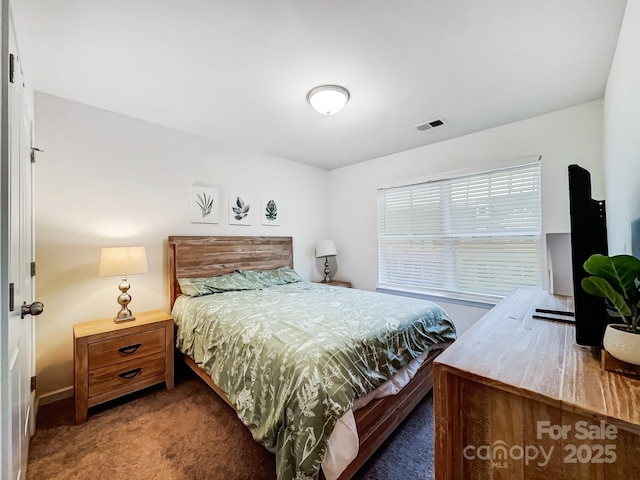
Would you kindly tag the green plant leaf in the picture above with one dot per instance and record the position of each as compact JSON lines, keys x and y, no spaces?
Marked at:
{"x":621,"y":271}
{"x":271,"y":211}
{"x":241,"y":210}
{"x":600,"y":287}
{"x":205,"y":204}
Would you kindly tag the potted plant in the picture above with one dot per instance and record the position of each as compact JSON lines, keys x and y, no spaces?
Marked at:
{"x":617,"y":280}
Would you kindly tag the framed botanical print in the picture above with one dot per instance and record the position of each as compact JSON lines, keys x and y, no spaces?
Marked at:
{"x":240,"y":209}
{"x":205,"y":204}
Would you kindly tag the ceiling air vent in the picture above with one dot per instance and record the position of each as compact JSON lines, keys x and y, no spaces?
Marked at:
{"x":436,"y":122}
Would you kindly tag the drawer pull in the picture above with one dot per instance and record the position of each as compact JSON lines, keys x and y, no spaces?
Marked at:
{"x":130,"y":373}
{"x":130,"y":349}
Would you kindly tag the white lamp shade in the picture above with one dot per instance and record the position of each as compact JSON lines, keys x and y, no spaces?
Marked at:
{"x":122,"y":261}
{"x":326,"y":248}
{"x":328,"y":99}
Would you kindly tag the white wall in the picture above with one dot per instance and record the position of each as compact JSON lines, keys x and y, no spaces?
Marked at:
{"x":568,"y":136}
{"x":622,"y":134}
{"x":110,"y":180}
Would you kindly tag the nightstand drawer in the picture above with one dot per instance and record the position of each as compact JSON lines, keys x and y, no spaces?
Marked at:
{"x":128,"y":347}
{"x":106,"y":379}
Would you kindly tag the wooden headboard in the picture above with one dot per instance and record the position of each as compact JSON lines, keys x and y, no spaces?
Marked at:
{"x":192,"y":257}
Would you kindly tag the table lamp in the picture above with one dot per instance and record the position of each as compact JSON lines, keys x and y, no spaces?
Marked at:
{"x":121,"y":262}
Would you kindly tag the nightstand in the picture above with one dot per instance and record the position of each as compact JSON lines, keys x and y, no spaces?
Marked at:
{"x":114,"y":359}
{"x":338,"y":283}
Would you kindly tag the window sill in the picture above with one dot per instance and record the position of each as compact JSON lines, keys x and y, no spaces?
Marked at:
{"x":479,"y":301}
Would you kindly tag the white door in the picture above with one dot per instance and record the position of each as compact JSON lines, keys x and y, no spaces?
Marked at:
{"x":17,"y":356}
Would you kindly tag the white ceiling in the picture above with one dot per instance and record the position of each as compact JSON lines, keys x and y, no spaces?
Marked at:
{"x":238,"y":71}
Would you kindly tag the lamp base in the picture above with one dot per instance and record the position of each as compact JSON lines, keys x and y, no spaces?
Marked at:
{"x":124,"y":315}
{"x":327,"y":279}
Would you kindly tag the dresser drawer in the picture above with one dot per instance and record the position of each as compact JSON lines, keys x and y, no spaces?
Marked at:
{"x":112,"y":377}
{"x":125,"y":348}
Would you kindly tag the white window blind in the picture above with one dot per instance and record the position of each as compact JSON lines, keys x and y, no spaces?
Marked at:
{"x":472,"y":235}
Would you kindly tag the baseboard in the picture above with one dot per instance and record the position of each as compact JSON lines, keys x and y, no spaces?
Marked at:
{"x":54,"y":396}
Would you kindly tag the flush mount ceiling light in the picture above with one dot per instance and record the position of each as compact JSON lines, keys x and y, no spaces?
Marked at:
{"x":328,"y":99}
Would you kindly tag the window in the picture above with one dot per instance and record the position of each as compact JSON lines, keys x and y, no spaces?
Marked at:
{"x":475,"y":236}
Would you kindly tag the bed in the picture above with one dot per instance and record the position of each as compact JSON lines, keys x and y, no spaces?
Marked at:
{"x":225,"y":264}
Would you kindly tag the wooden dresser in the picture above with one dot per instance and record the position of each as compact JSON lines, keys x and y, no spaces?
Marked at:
{"x":113,"y":359}
{"x":516,"y":398}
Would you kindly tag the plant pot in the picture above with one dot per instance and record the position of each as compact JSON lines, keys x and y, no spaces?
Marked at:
{"x":622,"y":344}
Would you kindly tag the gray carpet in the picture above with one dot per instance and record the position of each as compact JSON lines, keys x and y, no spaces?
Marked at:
{"x":189,"y":433}
{"x":409,"y":452}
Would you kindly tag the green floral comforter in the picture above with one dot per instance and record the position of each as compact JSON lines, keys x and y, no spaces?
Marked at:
{"x":292,"y":358}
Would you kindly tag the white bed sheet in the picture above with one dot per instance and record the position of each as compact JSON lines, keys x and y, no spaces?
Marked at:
{"x":343,"y":443}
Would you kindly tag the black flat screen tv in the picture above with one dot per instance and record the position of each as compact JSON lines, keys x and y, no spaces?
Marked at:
{"x":588,"y":236}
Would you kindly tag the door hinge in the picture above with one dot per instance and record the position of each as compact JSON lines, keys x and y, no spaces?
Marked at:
{"x":12,"y":67}
{"x":33,"y":153}
{"x":33,"y":383}
{"x":12,"y":295}
{"x":33,"y":269}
